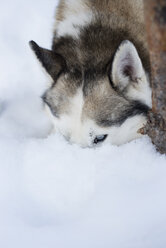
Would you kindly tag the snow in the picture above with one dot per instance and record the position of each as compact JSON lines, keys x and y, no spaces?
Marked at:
{"x":53,"y":194}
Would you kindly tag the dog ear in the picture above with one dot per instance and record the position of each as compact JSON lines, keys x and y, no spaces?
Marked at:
{"x":53,"y":63}
{"x":127,"y":66}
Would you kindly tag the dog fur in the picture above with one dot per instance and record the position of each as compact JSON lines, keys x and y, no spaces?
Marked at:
{"x":100,"y":69}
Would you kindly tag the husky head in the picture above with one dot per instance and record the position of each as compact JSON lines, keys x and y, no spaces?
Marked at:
{"x":97,"y":104}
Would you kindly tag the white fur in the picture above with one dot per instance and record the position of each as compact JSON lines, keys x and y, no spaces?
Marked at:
{"x":138,"y":90}
{"x":141,"y":91}
{"x":83,"y":132}
{"x":71,"y":26}
{"x":71,"y":124}
{"x":128,"y":131}
{"x":77,"y":15}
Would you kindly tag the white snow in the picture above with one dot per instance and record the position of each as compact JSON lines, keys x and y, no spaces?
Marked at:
{"x":57,"y":195}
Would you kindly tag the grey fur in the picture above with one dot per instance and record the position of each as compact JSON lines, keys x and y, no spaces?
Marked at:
{"x":87,"y":61}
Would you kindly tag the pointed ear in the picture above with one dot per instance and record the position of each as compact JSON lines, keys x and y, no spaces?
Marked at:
{"x":127,"y":66}
{"x":53,"y":63}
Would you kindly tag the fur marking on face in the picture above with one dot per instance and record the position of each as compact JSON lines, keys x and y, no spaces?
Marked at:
{"x":100,"y":69}
{"x":76,"y":16}
{"x":72,"y":26}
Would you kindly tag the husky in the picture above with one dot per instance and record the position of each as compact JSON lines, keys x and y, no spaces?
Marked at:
{"x":100,"y":71}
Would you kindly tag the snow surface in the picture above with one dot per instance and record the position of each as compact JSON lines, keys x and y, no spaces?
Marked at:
{"x":57,"y":195}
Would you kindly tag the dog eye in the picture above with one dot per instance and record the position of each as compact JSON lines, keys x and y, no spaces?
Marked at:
{"x":100,"y":138}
